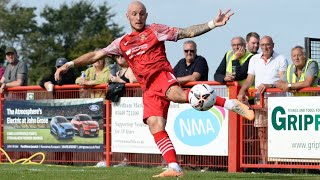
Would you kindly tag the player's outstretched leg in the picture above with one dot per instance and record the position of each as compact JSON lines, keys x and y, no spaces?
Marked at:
{"x":236,"y":106}
{"x":176,"y":94}
{"x":203,"y":97}
{"x":242,"y":109}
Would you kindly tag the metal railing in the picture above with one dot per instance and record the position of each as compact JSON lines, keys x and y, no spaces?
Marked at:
{"x":243,"y":143}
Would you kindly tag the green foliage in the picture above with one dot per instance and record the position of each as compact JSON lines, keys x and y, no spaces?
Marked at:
{"x":16,"y":23}
{"x":69,"y":31}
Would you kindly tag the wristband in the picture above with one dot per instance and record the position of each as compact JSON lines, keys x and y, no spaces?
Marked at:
{"x":70,"y":64}
{"x":211,"y":24}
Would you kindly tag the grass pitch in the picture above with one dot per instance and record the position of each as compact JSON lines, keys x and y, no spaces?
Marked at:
{"x":40,"y":172}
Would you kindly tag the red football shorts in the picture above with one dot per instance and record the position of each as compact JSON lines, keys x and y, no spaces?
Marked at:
{"x":155,"y":102}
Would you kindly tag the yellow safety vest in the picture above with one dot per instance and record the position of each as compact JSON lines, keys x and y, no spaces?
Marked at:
{"x":230,"y":56}
{"x":292,"y":77}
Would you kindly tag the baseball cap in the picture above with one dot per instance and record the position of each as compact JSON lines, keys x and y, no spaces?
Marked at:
{"x":60,"y":62}
{"x":10,"y":50}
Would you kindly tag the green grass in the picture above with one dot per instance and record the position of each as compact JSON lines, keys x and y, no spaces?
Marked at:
{"x":35,"y":172}
{"x":52,"y":139}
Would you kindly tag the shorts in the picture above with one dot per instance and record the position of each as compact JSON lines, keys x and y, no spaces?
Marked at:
{"x":261,"y":115}
{"x":155,"y":102}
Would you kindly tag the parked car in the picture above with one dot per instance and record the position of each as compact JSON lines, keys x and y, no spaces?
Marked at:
{"x":61,"y":127}
{"x":85,"y":125}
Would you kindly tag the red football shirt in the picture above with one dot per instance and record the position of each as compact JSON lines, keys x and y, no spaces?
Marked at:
{"x":145,"y":51}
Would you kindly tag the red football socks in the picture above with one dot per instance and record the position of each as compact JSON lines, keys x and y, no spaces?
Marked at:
{"x":165,"y":146}
{"x":220,"y":101}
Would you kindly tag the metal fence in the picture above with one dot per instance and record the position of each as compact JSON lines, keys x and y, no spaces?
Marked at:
{"x":252,"y":149}
{"x":244,"y":146}
{"x":312,"y":46}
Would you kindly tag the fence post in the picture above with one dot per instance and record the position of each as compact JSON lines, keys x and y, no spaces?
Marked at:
{"x":307,"y":46}
{"x":108,"y":133}
{"x":234,"y":134}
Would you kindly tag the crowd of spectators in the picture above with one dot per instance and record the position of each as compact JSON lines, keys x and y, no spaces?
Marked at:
{"x":193,"y":67}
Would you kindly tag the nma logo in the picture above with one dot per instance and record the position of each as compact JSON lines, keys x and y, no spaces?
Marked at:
{"x":197,"y":128}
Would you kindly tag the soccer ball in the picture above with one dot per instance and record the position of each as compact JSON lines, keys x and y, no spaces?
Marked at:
{"x":202,"y":97}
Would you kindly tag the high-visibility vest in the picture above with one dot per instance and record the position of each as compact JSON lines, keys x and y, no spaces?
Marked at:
{"x":292,"y":77}
{"x":231,"y":56}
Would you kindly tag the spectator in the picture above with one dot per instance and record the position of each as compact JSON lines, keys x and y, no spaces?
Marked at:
{"x":125,"y":74}
{"x":48,"y":83}
{"x":67,"y":78}
{"x":265,"y":69}
{"x":234,"y":65}
{"x":253,"y":39}
{"x":192,"y":67}
{"x":16,"y":72}
{"x":302,"y":73}
{"x":97,"y":74}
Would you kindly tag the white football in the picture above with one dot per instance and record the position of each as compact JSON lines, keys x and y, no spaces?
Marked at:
{"x":202,"y":97}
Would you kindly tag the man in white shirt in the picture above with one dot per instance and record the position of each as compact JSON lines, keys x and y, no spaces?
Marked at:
{"x":265,"y":69}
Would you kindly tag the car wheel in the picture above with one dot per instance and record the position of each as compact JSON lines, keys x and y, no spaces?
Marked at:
{"x":96,"y":135}
{"x":81,"y":132}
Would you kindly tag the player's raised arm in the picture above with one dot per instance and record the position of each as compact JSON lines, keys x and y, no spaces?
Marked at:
{"x":85,"y":59}
{"x":196,"y":30}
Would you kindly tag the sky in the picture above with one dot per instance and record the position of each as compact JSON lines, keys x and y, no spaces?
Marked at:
{"x":287,"y":22}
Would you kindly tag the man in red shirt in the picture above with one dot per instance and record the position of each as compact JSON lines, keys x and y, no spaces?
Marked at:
{"x":144,"y":51}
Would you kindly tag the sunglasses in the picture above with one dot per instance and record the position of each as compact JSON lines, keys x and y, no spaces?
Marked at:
{"x":189,"y":50}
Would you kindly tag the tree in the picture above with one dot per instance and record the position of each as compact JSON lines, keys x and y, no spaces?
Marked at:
{"x":69,"y":32}
{"x":16,"y":23}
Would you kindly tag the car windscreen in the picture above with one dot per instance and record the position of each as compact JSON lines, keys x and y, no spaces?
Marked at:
{"x":62,"y":120}
{"x":85,"y":118}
